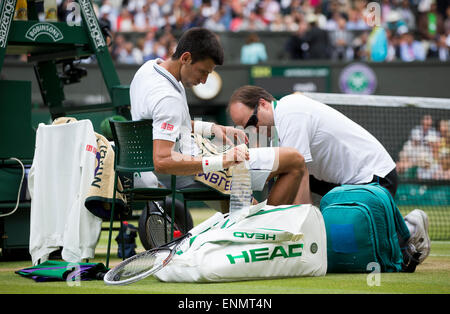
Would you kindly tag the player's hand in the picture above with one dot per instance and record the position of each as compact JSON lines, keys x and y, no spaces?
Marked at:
{"x":235,"y":156}
{"x":229,"y":135}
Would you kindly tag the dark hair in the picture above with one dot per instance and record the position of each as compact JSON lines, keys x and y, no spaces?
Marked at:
{"x":202,"y":44}
{"x":250,"y":95}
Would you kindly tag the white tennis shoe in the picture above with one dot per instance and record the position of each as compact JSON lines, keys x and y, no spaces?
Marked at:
{"x":418,"y":220}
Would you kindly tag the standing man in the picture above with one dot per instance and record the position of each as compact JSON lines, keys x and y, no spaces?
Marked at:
{"x":157,"y":92}
{"x":336,"y":150}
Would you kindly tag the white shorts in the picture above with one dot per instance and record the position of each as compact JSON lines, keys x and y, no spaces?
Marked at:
{"x":261,"y":164}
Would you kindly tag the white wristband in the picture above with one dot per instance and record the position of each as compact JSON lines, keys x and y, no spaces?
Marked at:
{"x":212,"y":163}
{"x":203,"y":128}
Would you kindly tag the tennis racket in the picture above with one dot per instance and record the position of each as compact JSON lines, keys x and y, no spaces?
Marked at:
{"x":144,"y":264}
{"x":155,"y":226}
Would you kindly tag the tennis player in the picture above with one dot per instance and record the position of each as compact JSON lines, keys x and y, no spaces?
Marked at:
{"x":336,"y":149}
{"x":157,"y":92}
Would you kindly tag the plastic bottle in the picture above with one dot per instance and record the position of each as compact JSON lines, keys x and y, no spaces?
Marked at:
{"x":241,"y":188}
{"x":21,"y":13}
{"x":51,"y":10}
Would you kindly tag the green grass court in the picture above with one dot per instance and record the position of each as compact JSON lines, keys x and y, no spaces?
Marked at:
{"x":433,"y":276}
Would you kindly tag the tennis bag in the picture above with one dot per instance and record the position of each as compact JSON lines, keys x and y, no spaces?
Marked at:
{"x":362,"y":225}
{"x":257,"y":243}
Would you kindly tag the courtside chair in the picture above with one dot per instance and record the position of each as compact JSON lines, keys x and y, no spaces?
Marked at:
{"x":133,"y":141}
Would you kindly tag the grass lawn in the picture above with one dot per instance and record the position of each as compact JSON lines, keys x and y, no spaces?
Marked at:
{"x":433,"y":276}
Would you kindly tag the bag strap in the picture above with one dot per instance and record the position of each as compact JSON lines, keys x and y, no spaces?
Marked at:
{"x":243,"y":236}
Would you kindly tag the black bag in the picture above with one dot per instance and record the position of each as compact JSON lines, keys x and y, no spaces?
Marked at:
{"x":129,"y":232}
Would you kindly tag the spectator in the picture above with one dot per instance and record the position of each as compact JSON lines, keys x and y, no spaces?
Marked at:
{"x":444,"y":165}
{"x":341,"y":40}
{"x":360,"y":47}
{"x":447,"y":21}
{"x":430,"y":23}
{"x":214,"y":23}
{"x":355,"y":21}
{"x":386,"y":8}
{"x":424,"y":131}
{"x":142,"y":18}
{"x":236,"y":22}
{"x":297,"y":46}
{"x":321,"y":18}
{"x":253,"y":23}
{"x":138,"y":51}
{"x":416,"y":159}
{"x":277,"y":24}
{"x":117,"y":46}
{"x":411,"y":49}
{"x":149,"y":42}
{"x":407,"y":14}
{"x":439,"y":49}
{"x":318,"y":40}
{"x":107,"y":15}
{"x":444,"y":132}
{"x":254,"y":51}
{"x":270,"y":8}
{"x":125,"y":21}
{"x":393,"y":52}
{"x":206,"y":9}
{"x":427,"y":18}
{"x":291,"y":24}
{"x":378,"y":44}
{"x":127,"y":54}
{"x":332,"y":23}
{"x":158,"y":51}
{"x":395,"y":23}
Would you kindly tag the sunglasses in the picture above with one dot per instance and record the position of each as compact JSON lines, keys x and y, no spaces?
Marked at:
{"x":253,"y":120}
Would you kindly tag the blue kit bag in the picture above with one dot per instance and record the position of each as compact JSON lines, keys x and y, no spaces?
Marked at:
{"x":362,"y":224}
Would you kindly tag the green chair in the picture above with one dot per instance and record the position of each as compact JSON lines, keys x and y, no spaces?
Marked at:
{"x":133,"y":143}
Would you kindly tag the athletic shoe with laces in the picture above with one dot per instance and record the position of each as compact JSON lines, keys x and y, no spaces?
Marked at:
{"x":419,"y":237}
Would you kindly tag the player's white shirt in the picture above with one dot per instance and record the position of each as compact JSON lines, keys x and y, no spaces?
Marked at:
{"x":156,"y":94}
{"x":335,"y":148}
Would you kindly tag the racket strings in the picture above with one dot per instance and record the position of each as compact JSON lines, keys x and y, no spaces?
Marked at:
{"x":141,"y":264}
{"x":159,"y":229}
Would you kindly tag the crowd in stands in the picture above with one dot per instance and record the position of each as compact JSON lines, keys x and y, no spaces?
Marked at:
{"x":408,"y":30}
{"x":426,"y":154}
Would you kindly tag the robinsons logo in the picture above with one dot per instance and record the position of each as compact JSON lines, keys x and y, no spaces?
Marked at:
{"x":44,"y":29}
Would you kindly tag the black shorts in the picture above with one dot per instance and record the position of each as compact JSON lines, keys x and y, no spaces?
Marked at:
{"x":390,"y":182}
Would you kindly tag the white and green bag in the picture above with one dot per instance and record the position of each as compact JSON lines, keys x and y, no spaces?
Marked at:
{"x":260,"y":242}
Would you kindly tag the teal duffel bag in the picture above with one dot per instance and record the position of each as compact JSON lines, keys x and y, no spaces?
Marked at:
{"x":362,"y":224}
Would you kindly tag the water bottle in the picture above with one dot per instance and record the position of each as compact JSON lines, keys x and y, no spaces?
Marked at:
{"x":21,"y":13}
{"x":241,"y":188}
{"x":51,"y":10}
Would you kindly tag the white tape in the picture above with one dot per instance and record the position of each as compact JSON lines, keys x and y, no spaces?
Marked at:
{"x":212,"y":163}
{"x":203,"y":128}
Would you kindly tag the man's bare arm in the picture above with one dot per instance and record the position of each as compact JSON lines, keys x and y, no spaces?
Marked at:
{"x":167,"y":161}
